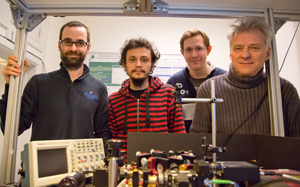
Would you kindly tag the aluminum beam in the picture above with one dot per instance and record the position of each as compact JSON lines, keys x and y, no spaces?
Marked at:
{"x":13,"y":114}
{"x":24,"y":23}
{"x":274,"y":89}
{"x":173,"y":11}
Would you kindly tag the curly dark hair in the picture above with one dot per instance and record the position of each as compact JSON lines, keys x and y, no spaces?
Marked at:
{"x":139,"y":43}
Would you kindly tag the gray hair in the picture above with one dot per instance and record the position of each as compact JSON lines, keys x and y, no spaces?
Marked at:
{"x":250,"y":23}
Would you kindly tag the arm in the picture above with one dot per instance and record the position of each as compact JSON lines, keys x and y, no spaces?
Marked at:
{"x":11,"y":69}
{"x":291,"y":109}
{"x":176,"y":118}
{"x":202,"y":118}
{"x":170,"y":81}
{"x":112,"y":120}
{"x":101,"y":124}
{"x":3,"y":105}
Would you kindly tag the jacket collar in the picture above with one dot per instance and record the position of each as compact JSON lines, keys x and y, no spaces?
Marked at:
{"x":64,"y":72}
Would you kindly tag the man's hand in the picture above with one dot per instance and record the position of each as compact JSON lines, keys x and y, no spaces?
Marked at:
{"x":13,"y":68}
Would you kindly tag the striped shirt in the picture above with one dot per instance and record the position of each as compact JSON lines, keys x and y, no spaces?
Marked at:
{"x":155,"y":111}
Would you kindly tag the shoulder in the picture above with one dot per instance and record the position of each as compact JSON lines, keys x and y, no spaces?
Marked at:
{"x":287,"y":88}
{"x":115,"y":95}
{"x":167,"y":87}
{"x":44,"y":76}
{"x":177,"y":76}
{"x":95,"y":82}
{"x":220,"y":78}
{"x":218,"y":71}
{"x":164,"y":89}
{"x":219,"y":82}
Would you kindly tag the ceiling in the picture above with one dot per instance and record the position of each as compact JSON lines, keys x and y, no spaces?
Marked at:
{"x":180,"y":8}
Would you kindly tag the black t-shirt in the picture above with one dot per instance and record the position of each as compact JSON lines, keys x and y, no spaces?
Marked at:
{"x":136,"y":93}
{"x":196,"y":82}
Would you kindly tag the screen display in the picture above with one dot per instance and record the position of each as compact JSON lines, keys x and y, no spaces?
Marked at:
{"x":52,"y":162}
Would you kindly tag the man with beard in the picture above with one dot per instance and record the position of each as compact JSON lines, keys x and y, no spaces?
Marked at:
{"x":63,"y":104}
{"x":143,"y":103}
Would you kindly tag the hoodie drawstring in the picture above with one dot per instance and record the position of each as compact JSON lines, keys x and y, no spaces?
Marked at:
{"x":125,"y":119}
{"x":147,"y":109}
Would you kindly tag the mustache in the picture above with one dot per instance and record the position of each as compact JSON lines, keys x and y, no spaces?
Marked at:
{"x":72,"y":53}
{"x":138,"y":70}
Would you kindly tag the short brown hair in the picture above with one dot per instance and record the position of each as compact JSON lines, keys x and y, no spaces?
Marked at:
{"x":194,"y":32}
{"x":139,"y":43}
{"x":74,"y":24}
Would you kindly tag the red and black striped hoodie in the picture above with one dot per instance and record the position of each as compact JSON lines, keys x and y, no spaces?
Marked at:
{"x":155,"y":111}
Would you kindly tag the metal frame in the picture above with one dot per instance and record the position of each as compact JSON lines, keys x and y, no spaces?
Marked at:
{"x":274,"y":89}
{"x":24,"y":23}
{"x":13,"y":114}
{"x":30,"y":16}
{"x":145,"y":10}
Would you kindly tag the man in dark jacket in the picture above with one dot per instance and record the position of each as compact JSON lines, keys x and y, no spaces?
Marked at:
{"x":63,"y":104}
{"x":195,"y":47}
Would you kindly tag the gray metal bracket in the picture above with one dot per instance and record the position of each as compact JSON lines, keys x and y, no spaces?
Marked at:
{"x":278,"y":23}
{"x":20,"y":20}
{"x":133,"y":6}
{"x":145,"y":6}
{"x":158,"y":6}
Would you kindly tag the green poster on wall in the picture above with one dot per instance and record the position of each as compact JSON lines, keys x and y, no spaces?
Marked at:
{"x":103,"y":71}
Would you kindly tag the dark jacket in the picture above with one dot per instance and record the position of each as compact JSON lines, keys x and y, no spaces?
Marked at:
{"x":58,"y":108}
{"x":183,"y":77}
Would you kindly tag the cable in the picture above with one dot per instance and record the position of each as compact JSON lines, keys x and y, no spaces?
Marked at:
{"x":228,"y":137}
{"x":277,"y":180}
{"x":289,"y":47}
{"x":198,"y":155}
{"x":27,"y":52}
{"x":39,"y":59}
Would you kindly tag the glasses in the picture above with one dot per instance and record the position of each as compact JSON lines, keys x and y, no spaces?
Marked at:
{"x":197,"y":49}
{"x":78,"y":43}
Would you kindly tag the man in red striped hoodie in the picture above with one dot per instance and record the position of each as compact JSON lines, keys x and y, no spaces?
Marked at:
{"x":143,"y":103}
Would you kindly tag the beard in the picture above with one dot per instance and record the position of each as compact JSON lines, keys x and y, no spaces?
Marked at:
{"x":72,"y":63}
{"x":138,"y":82}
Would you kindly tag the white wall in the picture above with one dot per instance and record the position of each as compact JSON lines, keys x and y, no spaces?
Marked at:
{"x":291,"y":67}
{"x":109,"y":33}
